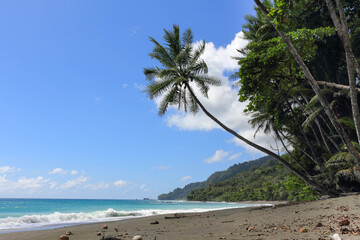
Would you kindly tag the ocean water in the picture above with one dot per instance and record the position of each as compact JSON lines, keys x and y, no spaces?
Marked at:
{"x":32,"y":214}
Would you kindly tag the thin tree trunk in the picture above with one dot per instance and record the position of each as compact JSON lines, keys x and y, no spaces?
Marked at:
{"x":316,"y":122}
{"x":327,"y":125}
{"x":290,"y":154}
{"x":316,"y":161}
{"x":311,"y":80}
{"x":302,"y":150}
{"x":329,"y":137}
{"x":306,"y":179}
{"x":351,"y":62}
{"x":343,"y":30}
{"x":336,"y":85}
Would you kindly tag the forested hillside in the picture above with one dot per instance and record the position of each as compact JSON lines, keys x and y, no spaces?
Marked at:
{"x":270,"y":181}
{"x":181,"y":193}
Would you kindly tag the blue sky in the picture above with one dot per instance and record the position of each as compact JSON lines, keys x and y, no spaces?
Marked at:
{"x":74,"y":122}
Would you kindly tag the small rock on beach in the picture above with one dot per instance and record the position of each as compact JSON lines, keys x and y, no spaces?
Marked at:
{"x":63,"y":237}
{"x":137,"y":237}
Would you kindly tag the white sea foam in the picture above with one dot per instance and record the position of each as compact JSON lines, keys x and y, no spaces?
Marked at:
{"x":58,"y":218}
{"x":62,"y":219}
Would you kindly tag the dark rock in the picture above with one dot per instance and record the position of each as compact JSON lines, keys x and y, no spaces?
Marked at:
{"x":319,"y":224}
{"x":344,"y":222}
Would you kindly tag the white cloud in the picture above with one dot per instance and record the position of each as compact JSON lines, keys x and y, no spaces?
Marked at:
{"x":74,"y":172}
{"x":223,"y":101}
{"x":124,"y":85}
{"x":139,"y":86}
{"x":235,"y":156}
{"x":161,"y":168}
{"x":53,"y":185}
{"x":8,"y":169}
{"x":143,"y":186}
{"x":219,"y":156}
{"x":97,"y":186}
{"x":58,"y":171}
{"x":121,"y":183}
{"x":262,"y":139}
{"x":75,"y":182}
{"x":98,"y":99}
{"x":134,"y":31}
{"x":23,"y":183}
{"x":186,"y":178}
{"x":31,"y":183}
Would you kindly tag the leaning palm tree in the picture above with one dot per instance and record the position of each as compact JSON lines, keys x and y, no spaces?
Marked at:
{"x":184,"y":69}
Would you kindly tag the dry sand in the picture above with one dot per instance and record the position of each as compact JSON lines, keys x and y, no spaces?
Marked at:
{"x":319,"y":218}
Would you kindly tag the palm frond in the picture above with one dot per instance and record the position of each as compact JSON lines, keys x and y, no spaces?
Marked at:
{"x":348,"y":121}
{"x":340,"y":157}
{"x":187,"y":37}
{"x":172,"y":39}
{"x":203,"y":87}
{"x":161,"y":54}
{"x":157,"y":88}
{"x":314,"y":102}
{"x":184,"y":56}
{"x":308,"y":121}
{"x":168,"y":73}
{"x":199,"y":67}
{"x":151,"y":73}
{"x":168,"y":99}
{"x":209,"y":80}
{"x":198,"y":52}
{"x":194,"y":107}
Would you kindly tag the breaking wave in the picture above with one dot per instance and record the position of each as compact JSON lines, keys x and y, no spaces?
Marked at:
{"x":64,"y":219}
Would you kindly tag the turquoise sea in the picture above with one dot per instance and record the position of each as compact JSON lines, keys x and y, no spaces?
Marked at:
{"x":31,"y":214}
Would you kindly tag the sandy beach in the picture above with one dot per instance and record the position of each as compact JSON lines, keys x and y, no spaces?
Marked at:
{"x":313,"y":220}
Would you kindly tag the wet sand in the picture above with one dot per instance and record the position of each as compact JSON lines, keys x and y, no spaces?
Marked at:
{"x":313,"y":220}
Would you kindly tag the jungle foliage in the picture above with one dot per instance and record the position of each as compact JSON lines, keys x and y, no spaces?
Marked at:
{"x":282,"y":100}
{"x":269,"y":181}
{"x":181,"y":193}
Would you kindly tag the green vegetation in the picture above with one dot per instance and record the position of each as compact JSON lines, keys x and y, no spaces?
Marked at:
{"x":269,"y":181}
{"x":297,"y":52}
{"x":299,"y":75}
{"x":181,"y":193}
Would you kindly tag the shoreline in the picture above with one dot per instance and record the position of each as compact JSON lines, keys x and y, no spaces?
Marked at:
{"x":51,"y":226}
{"x":310,"y":220}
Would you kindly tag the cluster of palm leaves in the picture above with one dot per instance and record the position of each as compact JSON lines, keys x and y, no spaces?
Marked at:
{"x":183,"y":68}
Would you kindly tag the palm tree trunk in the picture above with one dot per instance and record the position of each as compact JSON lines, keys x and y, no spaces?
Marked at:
{"x":317,"y":186}
{"x":351,"y":62}
{"x":311,"y":80}
{"x":342,"y":29}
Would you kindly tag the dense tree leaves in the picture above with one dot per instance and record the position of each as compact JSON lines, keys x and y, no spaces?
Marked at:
{"x":270,"y":181}
{"x":278,"y":94}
